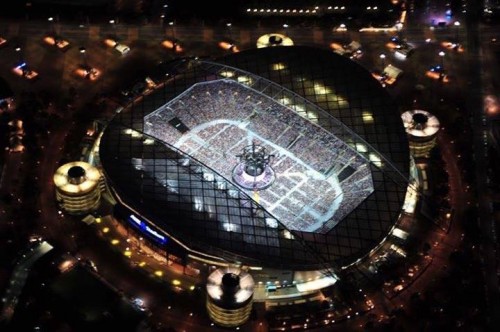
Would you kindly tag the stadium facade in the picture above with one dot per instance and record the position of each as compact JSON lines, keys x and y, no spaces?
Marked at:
{"x":339,"y":152}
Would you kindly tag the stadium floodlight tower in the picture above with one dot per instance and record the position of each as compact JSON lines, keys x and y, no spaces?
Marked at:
{"x":254,"y":171}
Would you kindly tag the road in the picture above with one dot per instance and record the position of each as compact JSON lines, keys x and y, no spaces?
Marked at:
{"x":478,"y":42}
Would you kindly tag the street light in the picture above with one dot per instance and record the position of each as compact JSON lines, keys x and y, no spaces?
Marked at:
{"x":83,"y":52}
{"x":113,"y":22}
{"x":51,"y":26}
{"x":174,"y":40}
{"x":342,"y":28}
{"x":21,"y":60}
{"x":171,"y":23}
{"x":285,"y":26}
{"x":441,"y":73}
{"x":457,"y":26}
{"x":229,"y":25}
{"x":382,"y":57}
{"x":442,"y":54}
{"x":20,"y":54}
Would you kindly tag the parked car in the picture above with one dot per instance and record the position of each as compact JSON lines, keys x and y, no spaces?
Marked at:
{"x":57,"y":42}
{"x":24,"y":71}
{"x":388,"y":76}
{"x":15,"y":144}
{"x":351,"y":50}
{"x":229,"y":46}
{"x":87,"y":72}
{"x":437,"y":73}
{"x":172,"y":44}
{"x":119,"y":47}
{"x":400,"y":46}
{"x":454,"y":46}
{"x":141,"y":87}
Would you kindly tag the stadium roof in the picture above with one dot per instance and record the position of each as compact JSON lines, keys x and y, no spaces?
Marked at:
{"x":355,"y":108}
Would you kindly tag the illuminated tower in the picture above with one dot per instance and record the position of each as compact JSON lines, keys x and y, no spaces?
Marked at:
{"x":422,"y":128}
{"x":77,"y":187}
{"x":229,"y":296}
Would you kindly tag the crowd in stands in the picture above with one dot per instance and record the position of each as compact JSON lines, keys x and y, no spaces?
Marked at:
{"x":225,"y":116}
{"x":354,"y":190}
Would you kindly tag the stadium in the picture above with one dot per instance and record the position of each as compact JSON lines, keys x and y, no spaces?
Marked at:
{"x":283,"y":160}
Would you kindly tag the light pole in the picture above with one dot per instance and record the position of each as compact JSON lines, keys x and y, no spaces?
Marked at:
{"x":113,"y":25}
{"x":171,"y":23}
{"x":20,"y":53}
{"x":285,"y":26}
{"x":174,"y":40}
{"x":21,"y":60}
{"x":382,"y":57}
{"x":229,"y":25}
{"x":140,"y":244}
{"x":51,"y":26}
{"x":343,"y":29}
{"x":28,"y":10}
{"x":441,"y":55}
{"x":83,"y":52}
{"x":441,"y":73}
{"x":457,"y":26}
